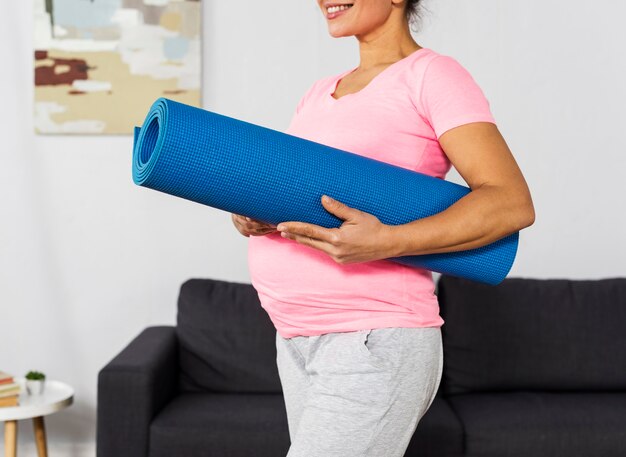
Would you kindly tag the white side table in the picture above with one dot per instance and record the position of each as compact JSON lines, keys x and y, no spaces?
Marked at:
{"x":56,"y":396}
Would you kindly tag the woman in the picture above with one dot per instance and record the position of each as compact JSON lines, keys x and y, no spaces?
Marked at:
{"x":358,"y":341}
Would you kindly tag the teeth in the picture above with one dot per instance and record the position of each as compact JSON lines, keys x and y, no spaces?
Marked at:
{"x":334,"y":9}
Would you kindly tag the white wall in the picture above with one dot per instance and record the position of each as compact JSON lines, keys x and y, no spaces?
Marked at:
{"x":88,"y":259}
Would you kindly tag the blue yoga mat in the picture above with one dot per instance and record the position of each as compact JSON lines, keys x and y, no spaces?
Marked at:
{"x":275,"y":177}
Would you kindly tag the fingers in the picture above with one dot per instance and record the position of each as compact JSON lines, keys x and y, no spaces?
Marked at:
{"x":249,"y":226}
{"x":259,"y":223}
{"x":255,"y":224}
{"x":259,"y":232}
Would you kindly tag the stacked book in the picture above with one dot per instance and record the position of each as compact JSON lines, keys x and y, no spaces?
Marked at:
{"x":9,"y":390}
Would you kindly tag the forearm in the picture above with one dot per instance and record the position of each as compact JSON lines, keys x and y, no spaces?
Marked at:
{"x":483,"y":216}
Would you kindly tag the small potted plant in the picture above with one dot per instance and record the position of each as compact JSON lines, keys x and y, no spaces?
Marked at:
{"x":35,"y":382}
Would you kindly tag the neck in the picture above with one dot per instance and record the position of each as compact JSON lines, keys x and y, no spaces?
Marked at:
{"x":385,"y":45}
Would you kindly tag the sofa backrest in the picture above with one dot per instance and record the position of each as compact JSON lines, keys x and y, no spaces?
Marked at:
{"x":226,"y":339}
{"x":533,"y":334}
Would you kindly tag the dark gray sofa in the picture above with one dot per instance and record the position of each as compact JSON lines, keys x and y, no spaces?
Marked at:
{"x":532,"y":368}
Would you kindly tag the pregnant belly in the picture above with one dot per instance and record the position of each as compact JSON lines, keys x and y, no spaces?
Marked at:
{"x":286,"y":270}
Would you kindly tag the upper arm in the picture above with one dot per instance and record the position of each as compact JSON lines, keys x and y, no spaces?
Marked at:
{"x":460,"y":116}
{"x":481,"y":156}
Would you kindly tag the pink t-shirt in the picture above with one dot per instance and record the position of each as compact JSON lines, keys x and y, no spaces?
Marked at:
{"x":397,"y":118}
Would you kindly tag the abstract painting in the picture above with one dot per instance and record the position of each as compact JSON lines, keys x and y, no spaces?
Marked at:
{"x":99,"y":64}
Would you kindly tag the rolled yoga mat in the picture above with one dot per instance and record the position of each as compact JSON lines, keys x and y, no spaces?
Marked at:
{"x":275,"y":177}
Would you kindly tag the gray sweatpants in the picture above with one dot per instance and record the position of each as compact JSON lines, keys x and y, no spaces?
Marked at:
{"x":358,"y":394}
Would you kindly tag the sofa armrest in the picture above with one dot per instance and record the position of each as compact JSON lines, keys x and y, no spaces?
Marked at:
{"x":132,"y":388}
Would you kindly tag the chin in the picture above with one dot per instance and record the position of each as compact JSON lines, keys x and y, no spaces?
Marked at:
{"x":338,"y":33}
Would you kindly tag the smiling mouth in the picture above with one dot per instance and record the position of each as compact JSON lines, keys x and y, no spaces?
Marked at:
{"x":338,"y":8}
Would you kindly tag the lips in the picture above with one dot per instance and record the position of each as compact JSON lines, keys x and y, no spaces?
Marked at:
{"x":332,"y":9}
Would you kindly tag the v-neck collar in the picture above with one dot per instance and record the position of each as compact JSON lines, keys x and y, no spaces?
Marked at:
{"x":387,"y":70}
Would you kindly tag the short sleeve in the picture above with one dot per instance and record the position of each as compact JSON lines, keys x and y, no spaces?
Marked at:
{"x":305,"y":97}
{"x":298,"y":109}
{"x":450,"y":96}
{"x":301,"y":103}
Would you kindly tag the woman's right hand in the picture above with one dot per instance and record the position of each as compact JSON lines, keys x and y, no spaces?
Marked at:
{"x":248,"y":226}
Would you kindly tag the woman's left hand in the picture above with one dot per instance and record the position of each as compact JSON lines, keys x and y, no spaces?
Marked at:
{"x":361,"y":237}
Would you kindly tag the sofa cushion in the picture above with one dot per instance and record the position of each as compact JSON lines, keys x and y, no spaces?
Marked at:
{"x":227,"y":342}
{"x":439,"y":433}
{"x":203,"y":424}
{"x":543,"y":424}
{"x":221,"y":424}
{"x":544,"y":334}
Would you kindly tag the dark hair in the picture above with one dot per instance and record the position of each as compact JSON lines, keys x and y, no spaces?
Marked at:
{"x":412,"y":11}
